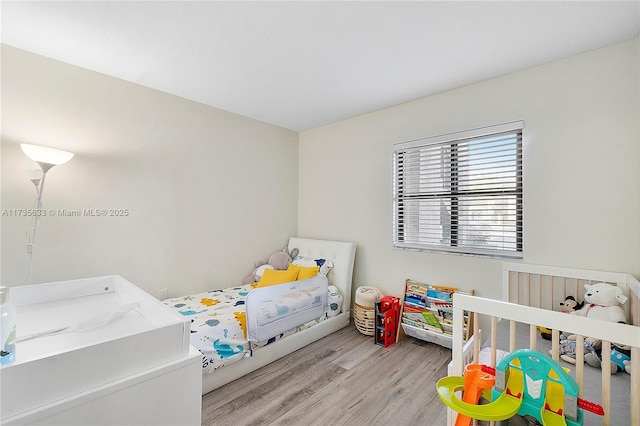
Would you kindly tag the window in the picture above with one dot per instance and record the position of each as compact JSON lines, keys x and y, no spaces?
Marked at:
{"x":460,"y":193}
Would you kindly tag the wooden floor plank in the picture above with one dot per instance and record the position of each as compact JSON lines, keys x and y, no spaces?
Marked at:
{"x":342,"y":379}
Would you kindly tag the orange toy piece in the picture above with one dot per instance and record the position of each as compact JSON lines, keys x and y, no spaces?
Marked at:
{"x":475,"y":382}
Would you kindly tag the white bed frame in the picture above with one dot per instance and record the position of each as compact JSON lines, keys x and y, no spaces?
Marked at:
{"x":529,"y":293}
{"x":342,"y":254}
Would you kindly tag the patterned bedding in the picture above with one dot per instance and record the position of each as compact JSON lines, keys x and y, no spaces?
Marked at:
{"x":218,"y":320}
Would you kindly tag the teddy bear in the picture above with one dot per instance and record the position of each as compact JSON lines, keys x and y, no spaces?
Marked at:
{"x":279,"y":261}
{"x":568,"y":305}
{"x":602,"y":301}
{"x":567,"y":348}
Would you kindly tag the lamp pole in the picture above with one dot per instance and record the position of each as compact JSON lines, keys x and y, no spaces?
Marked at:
{"x":46,"y":158}
{"x":31,"y":236}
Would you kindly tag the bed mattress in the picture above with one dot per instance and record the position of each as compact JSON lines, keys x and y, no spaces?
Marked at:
{"x":219,"y":322}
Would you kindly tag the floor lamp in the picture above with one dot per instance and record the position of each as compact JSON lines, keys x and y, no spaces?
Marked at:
{"x":46,"y":159}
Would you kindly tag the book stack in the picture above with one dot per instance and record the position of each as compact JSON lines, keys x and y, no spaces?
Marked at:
{"x":429,"y":307}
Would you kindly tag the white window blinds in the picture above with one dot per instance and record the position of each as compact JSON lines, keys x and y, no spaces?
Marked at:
{"x":461,"y":192}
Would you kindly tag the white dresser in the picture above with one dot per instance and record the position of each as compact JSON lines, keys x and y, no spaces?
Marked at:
{"x":136,"y":369}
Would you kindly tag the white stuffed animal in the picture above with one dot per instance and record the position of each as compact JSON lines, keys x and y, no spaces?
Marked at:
{"x":602,"y":301}
{"x":334,"y":300}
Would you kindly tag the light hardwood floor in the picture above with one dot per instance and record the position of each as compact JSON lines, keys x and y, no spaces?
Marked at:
{"x":342,"y":379}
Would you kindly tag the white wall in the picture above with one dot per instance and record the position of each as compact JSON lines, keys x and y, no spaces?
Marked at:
{"x":208,"y":192}
{"x":582,"y":185}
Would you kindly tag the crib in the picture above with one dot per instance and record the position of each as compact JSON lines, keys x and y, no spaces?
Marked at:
{"x":530,"y":295}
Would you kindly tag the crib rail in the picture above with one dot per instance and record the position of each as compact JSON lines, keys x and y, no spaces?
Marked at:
{"x":607,"y":332}
{"x":546,"y":286}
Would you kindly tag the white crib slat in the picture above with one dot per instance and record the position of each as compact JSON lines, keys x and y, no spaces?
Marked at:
{"x":457,"y":350}
{"x":476,"y":342}
{"x":533,"y":336}
{"x":555,"y":346}
{"x":634,"y":309}
{"x":606,"y":382}
{"x":635,"y":386}
{"x":512,"y":336}
{"x":564,"y":291}
{"x":494,"y":340}
{"x":580,"y":364}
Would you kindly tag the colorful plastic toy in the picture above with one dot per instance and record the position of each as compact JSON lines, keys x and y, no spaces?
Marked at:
{"x":476,"y":381}
{"x":527,"y":382}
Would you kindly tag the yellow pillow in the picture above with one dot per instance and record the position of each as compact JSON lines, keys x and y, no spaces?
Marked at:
{"x":273,"y":277}
{"x":305,"y":272}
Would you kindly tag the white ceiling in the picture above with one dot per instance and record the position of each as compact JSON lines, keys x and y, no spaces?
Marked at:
{"x":301,"y":65}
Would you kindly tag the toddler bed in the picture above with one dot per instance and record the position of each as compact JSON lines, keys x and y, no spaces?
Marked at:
{"x":242,"y":328}
{"x":532,"y":294}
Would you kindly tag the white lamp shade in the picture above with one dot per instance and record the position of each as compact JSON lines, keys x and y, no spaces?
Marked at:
{"x":41,"y":154}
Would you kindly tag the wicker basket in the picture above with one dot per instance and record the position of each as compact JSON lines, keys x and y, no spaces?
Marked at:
{"x":364,"y":319}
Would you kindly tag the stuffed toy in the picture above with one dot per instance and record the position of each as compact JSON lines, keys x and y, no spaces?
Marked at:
{"x":279,"y":261}
{"x":602,"y":301}
{"x":568,"y":305}
{"x":620,"y":359}
{"x":567,"y":348}
{"x":597,"y":294}
{"x":334,"y":299}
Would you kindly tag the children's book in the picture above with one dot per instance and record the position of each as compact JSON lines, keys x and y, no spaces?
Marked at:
{"x":416,"y":294}
{"x":440,"y":295}
{"x":414,"y":316}
{"x":442,"y":306}
{"x":431,"y":307}
{"x":415,"y":298}
{"x":444,"y":289}
{"x":417,"y":287}
{"x":432,"y":320}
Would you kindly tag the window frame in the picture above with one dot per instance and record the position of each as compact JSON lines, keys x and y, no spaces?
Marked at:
{"x":454,"y":141}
